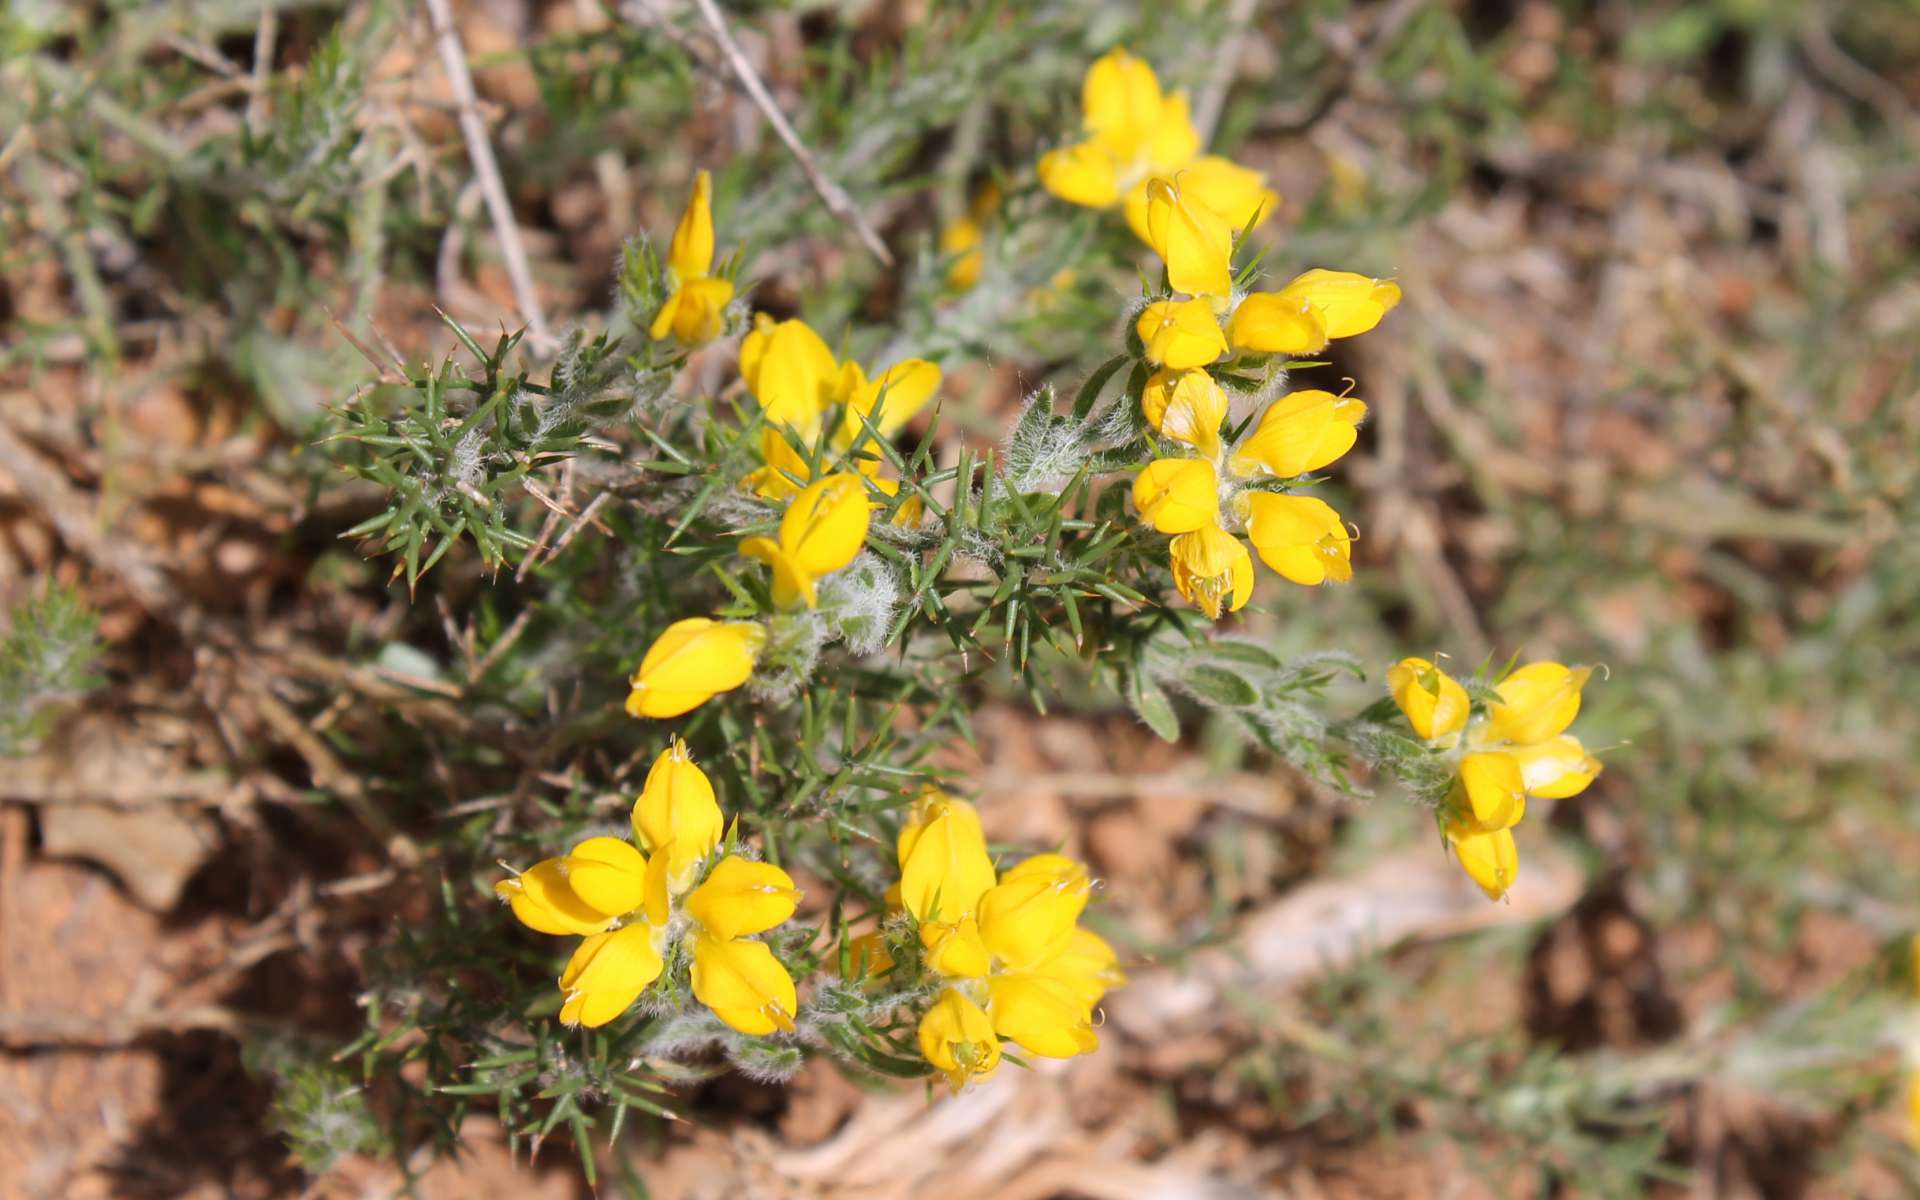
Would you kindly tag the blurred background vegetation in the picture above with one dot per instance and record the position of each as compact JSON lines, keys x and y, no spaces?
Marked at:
{"x":1652,"y":401}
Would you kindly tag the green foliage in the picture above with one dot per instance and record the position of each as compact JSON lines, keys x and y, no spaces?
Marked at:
{"x":47,"y":658}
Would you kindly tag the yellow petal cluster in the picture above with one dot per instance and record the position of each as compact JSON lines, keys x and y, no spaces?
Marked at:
{"x":1180,"y":334}
{"x":623,"y":896}
{"x":822,"y":530}
{"x":798,"y":382}
{"x":1518,"y":749}
{"x":1015,"y":962}
{"x":690,"y":663}
{"x":695,"y":311}
{"x":1300,"y":537}
{"x":1131,"y":132}
{"x":1186,"y":407}
{"x":1310,"y":310}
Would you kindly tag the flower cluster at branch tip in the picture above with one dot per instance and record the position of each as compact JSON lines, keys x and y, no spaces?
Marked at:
{"x":673,"y":893}
{"x":1200,"y":489}
{"x":1010,"y":957}
{"x":1133,"y":132}
{"x":1510,"y":746}
{"x":695,"y":310}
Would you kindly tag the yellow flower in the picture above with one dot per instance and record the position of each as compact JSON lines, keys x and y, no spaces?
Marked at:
{"x":1042,"y":1015}
{"x":1537,"y":702}
{"x":944,"y":868}
{"x":1489,"y":858}
{"x":957,"y":1039}
{"x":955,"y":948}
{"x":1346,"y":304}
{"x":1212,"y":569}
{"x":744,"y":984}
{"x":1029,"y":916}
{"x":1491,"y":793}
{"x":783,"y":466}
{"x":608,"y":874}
{"x":691,"y":662}
{"x":1195,"y":241}
{"x":1186,"y":406}
{"x":676,"y":814}
{"x":1087,"y":967}
{"x":1300,"y":537}
{"x":1269,"y":323}
{"x":793,"y":374}
{"x":1177,"y":495}
{"x":1238,"y":195}
{"x":545,"y":902}
{"x":910,"y":512}
{"x":960,"y":246}
{"x":821,"y":532}
{"x":888,"y":401}
{"x":1300,"y":432}
{"x":1134,"y":132}
{"x":740,"y":897}
{"x":607,"y":973}
{"x":1434,"y":702}
{"x":695,"y":311}
{"x":1556,"y":768}
{"x":1180,"y":334}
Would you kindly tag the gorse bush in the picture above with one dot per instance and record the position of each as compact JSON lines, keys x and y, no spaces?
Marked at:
{"x":798,"y":574}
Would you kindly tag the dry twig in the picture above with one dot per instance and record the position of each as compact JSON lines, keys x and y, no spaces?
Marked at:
{"x":831,"y":194}
{"x":480,"y":151}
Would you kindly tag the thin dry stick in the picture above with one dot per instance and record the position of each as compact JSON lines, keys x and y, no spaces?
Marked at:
{"x":480,"y":153}
{"x":831,"y":194}
{"x":1226,"y":61}
{"x":264,"y":37}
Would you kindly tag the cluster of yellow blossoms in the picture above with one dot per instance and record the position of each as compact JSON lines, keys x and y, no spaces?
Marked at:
{"x":1198,"y":493}
{"x":674,"y":889}
{"x":1513,"y":746}
{"x":1008,"y":956}
{"x":799,"y":385}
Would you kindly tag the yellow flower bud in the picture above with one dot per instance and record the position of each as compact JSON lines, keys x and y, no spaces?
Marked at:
{"x":744,"y":984}
{"x":944,"y":868}
{"x":955,"y":949}
{"x":791,"y":372}
{"x":741,"y":897}
{"x":1489,"y":858}
{"x":1300,"y":537}
{"x":1269,"y":323}
{"x":1537,"y":702}
{"x":1186,"y":406}
{"x":608,"y":874}
{"x":1556,"y":768}
{"x":822,"y":531}
{"x":690,"y":255}
{"x":606,"y":975}
{"x":1347,"y":304}
{"x":1212,"y":569}
{"x":696,"y":309}
{"x":1029,"y":917}
{"x":1434,"y":702}
{"x":1493,"y":790}
{"x":1195,"y":241}
{"x":1300,"y":432}
{"x":1180,"y":334}
{"x":1177,"y":495}
{"x":957,"y":1039}
{"x":676,"y":813}
{"x":545,"y":902}
{"x":1041,"y":1015}
{"x":691,"y":662}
